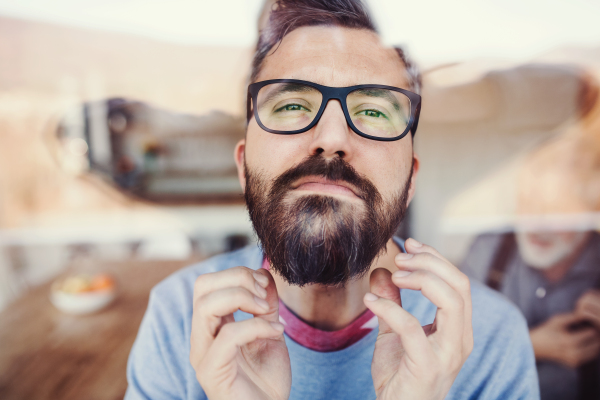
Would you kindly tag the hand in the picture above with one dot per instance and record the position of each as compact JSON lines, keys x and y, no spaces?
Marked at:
{"x":554,"y":341}
{"x":588,"y":306}
{"x":239,"y":360}
{"x":410,"y":361}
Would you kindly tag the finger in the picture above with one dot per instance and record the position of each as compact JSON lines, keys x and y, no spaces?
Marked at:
{"x":406,"y":326}
{"x":590,"y":303}
{"x":437,"y":265}
{"x":233,"y":335}
{"x":567,"y":319}
{"x":232,"y":277}
{"x":413,"y":246}
{"x":382,"y":286}
{"x":272,"y":297}
{"x":210,"y":310}
{"x":591,"y":317}
{"x":215,"y":305}
{"x":584,"y":336}
{"x":450,"y":315}
{"x":427,"y":258}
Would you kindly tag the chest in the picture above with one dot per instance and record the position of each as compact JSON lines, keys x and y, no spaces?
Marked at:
{"x":538,"y":298}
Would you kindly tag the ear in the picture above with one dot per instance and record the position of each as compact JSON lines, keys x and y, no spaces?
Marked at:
{"x":413,"y":179}
{"x":239,"y":156}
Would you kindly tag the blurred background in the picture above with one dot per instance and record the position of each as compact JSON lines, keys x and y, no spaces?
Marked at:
{"x":118,"y":121}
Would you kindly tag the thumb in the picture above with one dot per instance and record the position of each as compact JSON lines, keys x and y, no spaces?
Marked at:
{"x":272,"y":297}
{"x":382,"y":286}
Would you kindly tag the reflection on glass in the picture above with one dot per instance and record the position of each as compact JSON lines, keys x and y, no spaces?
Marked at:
{"x":157,"y":154}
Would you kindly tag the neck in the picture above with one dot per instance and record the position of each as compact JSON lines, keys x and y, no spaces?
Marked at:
{"x":332,"y":308}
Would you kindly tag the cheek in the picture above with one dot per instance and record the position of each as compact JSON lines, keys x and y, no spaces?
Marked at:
{"x":389,"y":169}
{"x":271,"y":154}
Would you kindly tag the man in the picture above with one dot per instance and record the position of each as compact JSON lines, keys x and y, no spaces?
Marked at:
{"x":553,"y":277}
{"x":316,"y":311}
{"x":550,"y":266}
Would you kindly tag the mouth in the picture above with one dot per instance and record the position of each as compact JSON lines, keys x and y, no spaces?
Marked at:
{"x":322,"y":185}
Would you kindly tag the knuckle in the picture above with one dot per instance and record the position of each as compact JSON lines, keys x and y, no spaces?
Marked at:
{"x":457,"y":303}
{"x":258,"y":323}
{"x":200,"y":284}
{"x":455,"y":363}
{"x":421,"y":275}
{"x":227,"y":331}
{"x":199,"y":305}
{"x":426,"y":257}
{"x":412,"y":324}
{"x":240,"y":273}
{"x":464,"y":283}
{"x":201,"y":310}
{"x":242,"y":296}
{"x":470,"y":344}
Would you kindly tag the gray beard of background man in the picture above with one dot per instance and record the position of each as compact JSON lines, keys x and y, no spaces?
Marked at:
{"x":319,"y":239}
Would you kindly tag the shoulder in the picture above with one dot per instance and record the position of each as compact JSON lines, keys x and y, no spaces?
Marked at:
{"x":181,"y":283}
{"x":502,"y":354}
{"x":480,"y":256}
{"x":502,"y":363}
{"x":158,"y":365}
{"x":492,"y":310}
{"x":170,"y":305}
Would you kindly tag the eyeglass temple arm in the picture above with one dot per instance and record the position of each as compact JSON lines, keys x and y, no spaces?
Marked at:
{"x":248,"y":108}
{"x":415,"y":124}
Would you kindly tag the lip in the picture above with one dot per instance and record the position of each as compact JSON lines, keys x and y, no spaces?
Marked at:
{"x":323,"y":185}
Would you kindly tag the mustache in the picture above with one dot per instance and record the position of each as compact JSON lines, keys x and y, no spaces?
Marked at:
{"x":336,"y":169}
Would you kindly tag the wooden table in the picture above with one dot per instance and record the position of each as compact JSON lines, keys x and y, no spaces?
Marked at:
{"x":45,"y":354}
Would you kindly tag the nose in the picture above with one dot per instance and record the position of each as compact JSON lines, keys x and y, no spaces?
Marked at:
{"x":332,"y":134}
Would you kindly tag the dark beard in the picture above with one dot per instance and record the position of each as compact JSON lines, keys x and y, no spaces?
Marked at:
{"x":319,"y":239}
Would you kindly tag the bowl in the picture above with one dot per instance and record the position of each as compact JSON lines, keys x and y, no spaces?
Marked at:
{"x":82,"y":301}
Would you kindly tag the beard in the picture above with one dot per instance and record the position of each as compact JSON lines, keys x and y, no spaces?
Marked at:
{"x":320,"y":239}
{"x":559,"y":247}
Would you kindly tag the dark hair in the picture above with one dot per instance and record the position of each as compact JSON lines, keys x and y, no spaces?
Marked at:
{"x":287,"y":15}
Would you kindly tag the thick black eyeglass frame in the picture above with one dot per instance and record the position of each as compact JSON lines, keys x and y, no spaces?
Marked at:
{"x":335,"y":93}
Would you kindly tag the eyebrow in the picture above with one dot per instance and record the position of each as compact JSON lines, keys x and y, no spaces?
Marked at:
{"x":288,"y":88}
{"x":381,"y":93}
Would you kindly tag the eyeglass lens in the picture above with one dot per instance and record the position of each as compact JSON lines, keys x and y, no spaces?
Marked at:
{"x":292,"y":106}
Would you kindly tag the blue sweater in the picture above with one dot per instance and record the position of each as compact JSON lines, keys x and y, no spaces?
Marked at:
{"x":501,"y":366}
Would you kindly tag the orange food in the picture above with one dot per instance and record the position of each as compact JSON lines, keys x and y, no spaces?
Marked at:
{"x":84,"y":283}
{"x":102,"y":282}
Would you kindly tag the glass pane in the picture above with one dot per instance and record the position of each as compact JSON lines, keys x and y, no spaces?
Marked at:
{"x":288,"y":106}
{"x":379,"y":112}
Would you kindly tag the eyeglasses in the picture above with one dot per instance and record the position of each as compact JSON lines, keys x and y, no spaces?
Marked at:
{"x":290,"y":106}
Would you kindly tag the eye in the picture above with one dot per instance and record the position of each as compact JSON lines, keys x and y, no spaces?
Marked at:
{"x":372,"y":113}
{"x":292,"y":107}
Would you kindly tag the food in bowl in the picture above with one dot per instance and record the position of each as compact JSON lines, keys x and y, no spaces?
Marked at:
{"x":83,"y":294}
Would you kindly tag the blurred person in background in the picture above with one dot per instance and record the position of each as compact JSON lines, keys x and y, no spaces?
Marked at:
{"x":315,"y":312}
{"x":550,"y":265}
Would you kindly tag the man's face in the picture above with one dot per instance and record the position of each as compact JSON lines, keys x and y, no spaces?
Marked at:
{"x":544,"y":250}
{"x":327,"y":196}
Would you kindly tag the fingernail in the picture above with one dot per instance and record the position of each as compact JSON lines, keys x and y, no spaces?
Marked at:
{"x":413,"y":242}
{"x":262,"y":293}
{"x":261,"y":279}
{"x":403,"y":256}
{"x":400,"y":274}
{"x":277,"y":326}
{"x":261,"y":303}
{"x":370,"y":297}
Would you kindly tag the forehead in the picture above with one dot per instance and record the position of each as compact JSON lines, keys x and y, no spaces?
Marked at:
{"x":334,"y":56}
